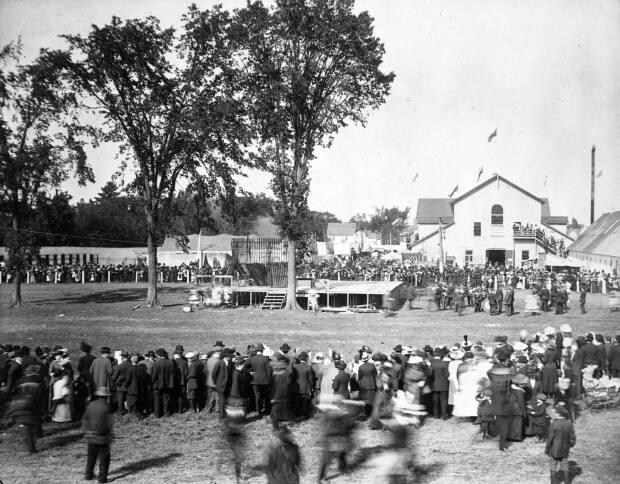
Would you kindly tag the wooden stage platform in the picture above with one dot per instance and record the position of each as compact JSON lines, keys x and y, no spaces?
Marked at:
{"x":331,"y":293}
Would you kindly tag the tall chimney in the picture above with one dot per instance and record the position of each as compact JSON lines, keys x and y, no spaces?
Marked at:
{"x":592,"y":188}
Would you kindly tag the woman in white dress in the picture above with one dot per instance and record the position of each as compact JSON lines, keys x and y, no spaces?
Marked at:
{"x":61,"y":399}
{"x":465,"y":403}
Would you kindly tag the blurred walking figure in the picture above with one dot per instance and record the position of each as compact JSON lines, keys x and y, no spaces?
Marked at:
{"x":233,"y":430}
{"x":283,"y":459}
{"x":28,"y":406}
{"x":97,"y":427}
{"x":338,"y":424}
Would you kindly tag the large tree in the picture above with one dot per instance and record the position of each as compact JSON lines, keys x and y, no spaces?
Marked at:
{"x":170,"y":102}
{"x":312,"y":66}
{"x":390,"y":223}
{"x":40,"y":146}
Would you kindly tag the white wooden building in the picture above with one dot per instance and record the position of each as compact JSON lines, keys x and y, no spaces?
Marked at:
{"x":496,"y":221}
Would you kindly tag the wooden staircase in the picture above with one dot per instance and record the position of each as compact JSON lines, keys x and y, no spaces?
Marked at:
{"x":274,"y":300}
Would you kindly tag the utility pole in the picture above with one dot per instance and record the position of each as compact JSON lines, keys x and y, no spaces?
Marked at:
{"x":592,"y":187}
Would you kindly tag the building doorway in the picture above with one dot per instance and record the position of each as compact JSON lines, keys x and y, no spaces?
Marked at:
{"x":496,"y":256}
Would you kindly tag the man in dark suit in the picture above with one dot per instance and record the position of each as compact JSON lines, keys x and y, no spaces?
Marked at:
{"x":499,"y":299}
{"x":614,"y":359}
{"x":509,"y":300}
{"x":367,"y":381}
{"x":119,"y":377}
{"x":582,"y":299}
{"x":592,"y":354}
{"x":492,"y":303}
{"x":15,"y":373}
{"x":222,"y":377}
{"x":182,"y":369}
{"x":544,"y":299}
{"x":304,"y":377}
{"x":553,"y":294}
{"x":163,"y":383}
{"x":260,"y":370}
{"x":137,"y":388}
{"x":440,"y":384}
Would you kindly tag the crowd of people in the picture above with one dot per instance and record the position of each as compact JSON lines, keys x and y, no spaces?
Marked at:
{"x":369,"y":268}
{"x":359,"y":268}
{"x":512,"y":390}
{"x":96,"y":273}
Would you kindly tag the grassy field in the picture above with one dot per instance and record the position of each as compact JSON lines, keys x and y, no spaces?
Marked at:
{"x":189,"y":448}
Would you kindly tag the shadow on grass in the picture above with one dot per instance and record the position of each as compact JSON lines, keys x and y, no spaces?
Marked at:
{"x":114,"y":296}
{"x":61,"y":440}
{"x":141,"y":465}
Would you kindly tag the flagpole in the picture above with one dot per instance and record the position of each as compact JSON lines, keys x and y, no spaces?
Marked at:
{"x":441,"y":262}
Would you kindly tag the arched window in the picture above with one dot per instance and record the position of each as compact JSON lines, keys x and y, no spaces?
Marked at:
{"x":497,"y":215}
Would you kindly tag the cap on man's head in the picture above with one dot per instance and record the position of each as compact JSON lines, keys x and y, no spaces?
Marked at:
{"x":285,"y":348}
{"x":106,"y":350}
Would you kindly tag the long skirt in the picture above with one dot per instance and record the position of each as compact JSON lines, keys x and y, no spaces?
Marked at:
{"x":516,"y":428}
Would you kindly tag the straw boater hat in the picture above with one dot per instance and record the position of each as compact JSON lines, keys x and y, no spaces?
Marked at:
{"x":520,"y":379}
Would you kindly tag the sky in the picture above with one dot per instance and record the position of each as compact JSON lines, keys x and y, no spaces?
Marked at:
{"x":545,"y":74}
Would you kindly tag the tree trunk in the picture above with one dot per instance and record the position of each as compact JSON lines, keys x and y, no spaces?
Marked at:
{"x":291,"y":293}
{"x":152,"y":301}
{"x":16,"y":300}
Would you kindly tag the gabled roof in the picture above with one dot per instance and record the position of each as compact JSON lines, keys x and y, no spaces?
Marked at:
{"x":431,"y":209}
{"x":493,"y":179}
{"x":335,"y":229}
{"x":602,"y":237}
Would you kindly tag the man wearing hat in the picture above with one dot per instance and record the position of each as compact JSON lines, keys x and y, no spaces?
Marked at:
{"x":304,"y":379}
{"x":213,"y":360}
{"x":119,"y":377}
{"x":163,"y":383}
{"x":84,"y":364}
{"x":101,"y":373}
{"x":181,"y":373}
{"x":367,"y":381}
{"x":260,"y":370}
{"x":222,"y":378}
{"x":137,"y":384}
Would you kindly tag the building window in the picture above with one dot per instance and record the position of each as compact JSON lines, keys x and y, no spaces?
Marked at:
{"x":477,"y":229}
{"x":62,"y":259}
{"x":525,"y":255}
{"x":497,"y":215}
{"x":469,"y":256}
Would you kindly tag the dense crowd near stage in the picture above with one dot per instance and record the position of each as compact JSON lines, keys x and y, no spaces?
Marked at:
{"x":358,"y":268}
{"x":524,"y":388}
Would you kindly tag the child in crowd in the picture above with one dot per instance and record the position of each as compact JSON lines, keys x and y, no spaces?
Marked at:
{"x":485,"y":413}
{"x":559,"y":441}
{"x":537,"y":417}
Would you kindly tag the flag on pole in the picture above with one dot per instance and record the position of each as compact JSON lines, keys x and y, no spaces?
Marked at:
{"x":493,"y":135}
{"x":599,"y":174}
{"x":415,"y":177}
{"x":453,"y":191}
{"x":480,"y":173}
{"x":546,"y":176}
